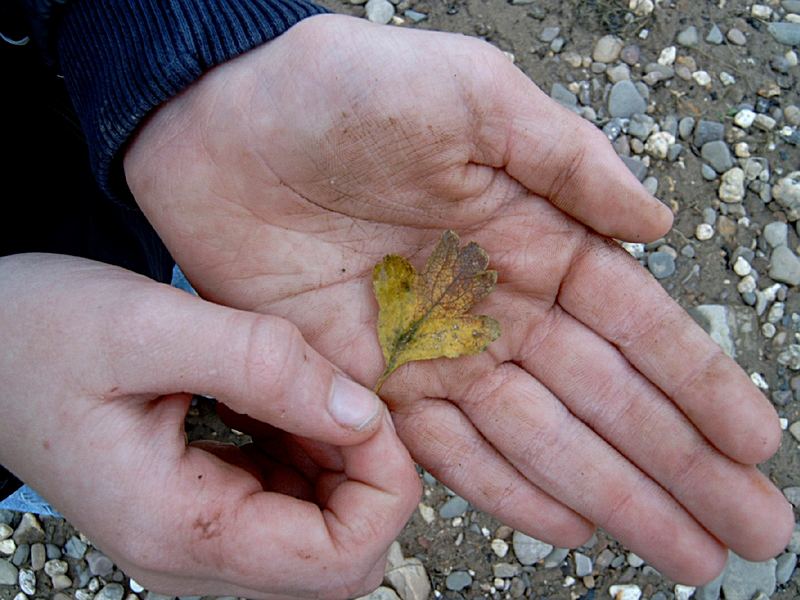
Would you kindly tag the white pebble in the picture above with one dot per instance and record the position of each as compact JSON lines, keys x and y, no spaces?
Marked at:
{"x":135,"y":586}
{"x":667,"y":56}
{"x":742,"y":150}
{"x":768,"y":330}
{"x":744,"y":118}
{"x":5,"y":531}
{"x":702,"y":78}
{"x":634,"y":560}
{"x":747,"y":285}
{"x":20,"y":596}
{"x":627,"y":591}
{"x":726,"y":78}
{"x":635,"y":249}
{"x":7,"y":547}
{"x":791,"y":58}
{"x":683,"y":592}
{"x":658,"y":144}
{"x":569,"y":580}
{"x":500,"y":547}
{"x":704,"y":232}
{"x":427,"y":513}
{"x":761,"y":11}
{"x":641,"y":8}
{"x":784,"y":423}
{"x":759,"y":381}
{"x":741,"y":267}
{"x":457,"y":522}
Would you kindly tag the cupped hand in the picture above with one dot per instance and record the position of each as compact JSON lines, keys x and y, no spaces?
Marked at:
{"x":279,"y":180}
{"x":96,"y":369}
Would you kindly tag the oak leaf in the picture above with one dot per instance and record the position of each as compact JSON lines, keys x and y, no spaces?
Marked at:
{"x":425,"y":316}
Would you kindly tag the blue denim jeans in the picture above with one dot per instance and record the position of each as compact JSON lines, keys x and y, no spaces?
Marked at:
{"x":26,"y":499}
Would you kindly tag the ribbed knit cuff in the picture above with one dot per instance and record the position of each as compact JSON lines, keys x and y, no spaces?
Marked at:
{"x":122,"y":59}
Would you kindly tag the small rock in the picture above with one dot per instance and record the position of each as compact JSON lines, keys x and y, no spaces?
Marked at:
{"x":8,"y":547}
{"x":744,"y":118}
{"x":794,"y":429}
{"x":776,"y":233}
{"x":21,"y":554}
{"x":625,"y":592}
{"x":764,"y":122}
{"x":641,"y":8}
{"x":702,"y":78}
{"x":719,"y":323}
{"x":784,"y":266}
{"x":736,"y":37}
{"x":661,"y":264}
{"x":29,"y":530}
{"x":5,"y":531}
{"x":499,"y":547}
{"x":667,"y":56}
{"x":409,"y":579}
{"x":382,"y":593}
{"x":555,"y":558}
{"x":454,"y":507}
{"x":607,"y":49}
{"x":732,"y":187}
{"x":548,"y":34}
{"x":380,"y":11}
{"x":458,"y":580}
{"x":427,"y":513}
{"x":56,"y":567}
{"x":561,"y":94}
{"x":8,"y":573}
{"x":641,"y":126}
{"x":708,"y":131}
{"x":741,"y":267}
{"x":686,"y":126}
{"x":689,"y":37}
{"x":704,"y":232}
{"x":505,"y":570}
{"x":761,"y":11}
{"x":38,"y":557}
{"x":637,"y":167}
{"x":110,"y":591}
{"x":787,"y":193}
{"x":625,"y":100}
{"x":651,"y":184}
{"x":618,"y":73}
{"x":658,"y":144}
{"x":715,"y":36}
{"x":61,"y":582}
{"x":718,"y":155}
{"x":792,"y":114}
{"x":27,"y":581}
{"x":786,"y":564}
{"x":75,"y":548}
{"x":634,"y":560}
{"x":99,"y":564}
{"x":743,"y":579}
{"x":684,"y":592}
{"x":53,"y":551}
{"x":785,"y":33}
{"x":583,"y":565}
{"x":529,"y":550}
{"x":688,"y":251}
{"x":415,"y":17}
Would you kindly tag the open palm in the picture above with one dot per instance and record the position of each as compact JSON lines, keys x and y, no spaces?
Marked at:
{"x":282,"y":177}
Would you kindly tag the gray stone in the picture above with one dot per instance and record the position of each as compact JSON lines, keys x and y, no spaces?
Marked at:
{"x":561,"y":94}
{"x":415,"y":17}
{"x":630,"y":54}
{"x":685,"y":127}
{"x":625,"y":100}
{"x":651,"y":185}
{"x":409,"y":579}
{"x":99,"y":564}
{"x":53,"y":551}
{"x":458,"y":580}
{"x":81,"y":575}
{"x":785,"y":566}
{"x":792,"y":114}
{"x":555,"y":558}
{"x":718,"y":155}
{"x":454,"y":507}
{"x":548,"y":34}
{"x":27,"y":581}
{"x":792,"y":494}
{"x":708,"y":173}
{"x":56,"y":567}
{"x":380,"y":11}
{"x":710,"y":591}
{"x":708,"y":131}
{"x":785,"y":33}
{"x":641,"y":126}
{"x":792,"y":6}
{"x":743,"y":579}
{"x":675,"y":150}
{"x":6,"y":516}
{"x":661,"y":264}
{"x":111,"y":591}
{"x":731,"y":188}
{"x":557,"y":45}
{"x":583,"y":565}
{"x":38,"y":557}
{"x":637,"y":167}
{"x":21,"y":555}
{"x":787,"y":193}
{"x":715,"y":36}
{"x":688,"y":251}
{"x":75,"y":547}
{"x":29,"y":530}
{"x":613,"y":128}
{"x":61,"y":582}
{"x":689,"y":37}
{"x":719,"y":322}
{"x":794,"y":543}
{"x":776,"y":233}
{"x":505,"y":570}
{"x":618,"y":73}
{"x":736,"y":37}
{"x":529,"y":550}
{"x":784,"y":266}
{"x":607,"y":49}
{"x":8,"y":573}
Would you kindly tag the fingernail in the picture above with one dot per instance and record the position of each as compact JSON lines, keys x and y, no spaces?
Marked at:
{"x":352,"y":405}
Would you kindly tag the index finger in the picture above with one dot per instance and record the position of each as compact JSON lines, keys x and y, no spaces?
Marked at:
{"x":612,"y":294}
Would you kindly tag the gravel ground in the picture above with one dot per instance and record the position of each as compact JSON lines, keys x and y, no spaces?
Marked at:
{"x":701,"y":100}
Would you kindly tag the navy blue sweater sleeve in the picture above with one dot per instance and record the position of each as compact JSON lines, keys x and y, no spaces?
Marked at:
{"x":123,"y":58}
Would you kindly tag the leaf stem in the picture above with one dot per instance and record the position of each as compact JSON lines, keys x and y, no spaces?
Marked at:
{"x":382,"y":379}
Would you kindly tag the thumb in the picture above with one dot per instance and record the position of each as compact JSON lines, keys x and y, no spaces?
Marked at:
{"x":562,"y":157}
{"x":258,"y":365}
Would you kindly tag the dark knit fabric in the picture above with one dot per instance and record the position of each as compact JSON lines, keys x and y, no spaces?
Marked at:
{"x":121,"y":59}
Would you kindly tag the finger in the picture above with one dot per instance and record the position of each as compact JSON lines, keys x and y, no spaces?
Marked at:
{"x":333,"y":549}
{"x":601,"y":388}
{"x":671,"y":350}
{"x":562,"y":157}
{"x":570,"y":462}
{"x":444,"y":441}
{"x":259,"y":365}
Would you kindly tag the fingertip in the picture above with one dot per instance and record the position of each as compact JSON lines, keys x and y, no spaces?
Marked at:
{"x":354,"y":407}
{"x":767,"y":542}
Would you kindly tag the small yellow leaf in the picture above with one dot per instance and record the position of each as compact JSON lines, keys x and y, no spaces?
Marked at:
{"x":425,"y":316}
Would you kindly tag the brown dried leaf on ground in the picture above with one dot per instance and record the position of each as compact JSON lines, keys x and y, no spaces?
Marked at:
{"x":425,"y":316}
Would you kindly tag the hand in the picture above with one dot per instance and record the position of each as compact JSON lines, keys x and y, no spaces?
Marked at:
{"x":95,"y":369}
{"x":279,"y":180}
